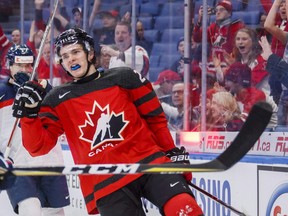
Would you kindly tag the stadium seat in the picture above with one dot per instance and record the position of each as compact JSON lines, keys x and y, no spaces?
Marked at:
{"x":248,"y":17}
{"x":172,"y":35}
{"x":154,"y":60}
{"x":128,"y":8}
{"x":164,"y":22}
{"x":166,"y":61}
{"x":173,"y":9}
{"x":281,"y":128}
{"x":147,"y":21}
{"x":163,"y":48}
{"x":254,"y":5}
{"x":152,"y":35}
{"x":154,"y":72}
{"x":149,"y":9}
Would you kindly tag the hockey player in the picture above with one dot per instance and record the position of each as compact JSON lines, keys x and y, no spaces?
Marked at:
{"x":134,"y":132}
{"x":28,"y":193}
{"x":6,"y":180}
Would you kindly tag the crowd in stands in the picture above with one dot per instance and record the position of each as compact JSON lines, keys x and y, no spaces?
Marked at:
{"x":240,"y":49}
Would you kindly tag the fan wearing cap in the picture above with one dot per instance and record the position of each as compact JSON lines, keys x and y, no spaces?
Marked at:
{"x":221,"y":33}
{"x":164,"y":83}
{"x":106,"y":34}
{"x":239,"y":82}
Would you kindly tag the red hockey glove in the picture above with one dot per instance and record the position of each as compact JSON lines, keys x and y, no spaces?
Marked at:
{"x":180,"y":155}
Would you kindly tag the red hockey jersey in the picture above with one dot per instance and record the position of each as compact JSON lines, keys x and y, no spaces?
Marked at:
{"x":116,"y":118}
{"x":221,"y":38}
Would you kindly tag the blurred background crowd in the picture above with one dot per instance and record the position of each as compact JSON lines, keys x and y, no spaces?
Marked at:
{"x":236,"y":67}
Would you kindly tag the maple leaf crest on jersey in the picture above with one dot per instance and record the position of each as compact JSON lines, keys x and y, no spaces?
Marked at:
{"x":107,"y":125}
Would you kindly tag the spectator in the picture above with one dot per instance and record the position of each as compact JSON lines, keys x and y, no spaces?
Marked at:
{"x":58,"y":75}
{"x":95,"y":9}
{"x":248,"y":51}
{"x":140,"y":38}
{"x":106,"y":34}
{"x":30,"y":195}
{"x":239,"y":82}
{"x":261,"y":31}
{"x":277,"y":25}
{"x":35,"y":38}
{"x":105,"y":58}
{"x":277,"y":67}
{"x":195,"y":56}
{"x":5,"y":44}
{"x":223,"y":114}
{"x":178,"y":65}
{"x":60,"y":22}
{"x":123,"y":57}
{"x":163,"y":85}
{"x":16,"y":36}
{"x":221,"y":33}
{"x":77,"y":21}
{"x":174,"y":114}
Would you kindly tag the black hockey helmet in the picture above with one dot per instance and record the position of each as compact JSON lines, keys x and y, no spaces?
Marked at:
{"x":74,"y":36}
{"x":19,"y":54}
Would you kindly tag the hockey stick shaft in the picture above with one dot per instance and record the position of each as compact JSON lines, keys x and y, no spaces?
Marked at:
{"x":216,"y":199}
{"x":252,"y":129}
{"x":33,"y":74}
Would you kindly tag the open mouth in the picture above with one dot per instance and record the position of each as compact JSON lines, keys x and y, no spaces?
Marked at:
{"x":75,"y":67}
{"x":241,"y":48}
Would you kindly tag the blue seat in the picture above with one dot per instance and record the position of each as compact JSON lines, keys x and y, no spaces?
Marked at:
{"x":254,"y":5}
{"x":248,"y":17}
{"x":281,"y":128}
{"x":27,"y":26}
{"x":128,"y":8}
{"x":107,"y":6}
{"x":154,"y":60}
{"x":152,"y":35}
{"x":172,"y":36}
{"x":163,"y":48}
{"x":147,"y":21}
{"x":166,"y":61}
{"x":173,"y":9}
{"x":154,"y":72}
{"x":149,"y":9}
{"x":165,"y":22}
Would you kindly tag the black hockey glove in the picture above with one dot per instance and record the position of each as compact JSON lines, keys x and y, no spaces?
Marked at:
{"x":180,"y":155}
{"x":28,"y":100}
{"x":6,"y":180}
{"x":19,"y":79}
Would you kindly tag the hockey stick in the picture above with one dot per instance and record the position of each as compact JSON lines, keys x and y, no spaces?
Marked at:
{"x":252,"y":129}
{"x":216,"y":199}
{"x":33,"y":74}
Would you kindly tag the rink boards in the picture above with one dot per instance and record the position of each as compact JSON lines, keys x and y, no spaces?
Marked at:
{"x":258,"y":185}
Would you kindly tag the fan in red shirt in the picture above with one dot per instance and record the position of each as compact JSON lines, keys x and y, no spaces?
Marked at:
{"x":108,"y":117}
{"x":238,"y":81}
{"x":221,"y":33}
